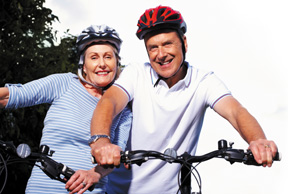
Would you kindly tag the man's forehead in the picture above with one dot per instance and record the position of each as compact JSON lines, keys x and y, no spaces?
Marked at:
{"x":156,"y":32}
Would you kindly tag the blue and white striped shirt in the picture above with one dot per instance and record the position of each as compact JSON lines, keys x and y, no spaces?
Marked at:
{"x":66,"y":126}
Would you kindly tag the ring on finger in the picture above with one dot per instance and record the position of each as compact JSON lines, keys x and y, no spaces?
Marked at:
{"x":267,"y":146}
{"x":84,"y":184}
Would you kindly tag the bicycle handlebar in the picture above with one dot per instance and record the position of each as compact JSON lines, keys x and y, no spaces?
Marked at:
{"x":50,"y":167}
{"x":170,"y":155}
{"x":186,"y":160}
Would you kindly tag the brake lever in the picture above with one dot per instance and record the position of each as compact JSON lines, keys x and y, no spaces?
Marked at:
{"x":233,"y":155}
{"x":8,"y":147}
{"x":249,"y":159}
{"x":54,"y":170}
{"x":50,"y":167}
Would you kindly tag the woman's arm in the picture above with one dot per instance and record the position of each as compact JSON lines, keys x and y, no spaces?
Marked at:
{"x":4,"y":97}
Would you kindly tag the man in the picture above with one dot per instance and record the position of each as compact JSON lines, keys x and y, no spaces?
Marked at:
{"x":169,"y":98}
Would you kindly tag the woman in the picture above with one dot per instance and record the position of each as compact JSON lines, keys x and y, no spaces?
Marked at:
{"x":73,"y":100}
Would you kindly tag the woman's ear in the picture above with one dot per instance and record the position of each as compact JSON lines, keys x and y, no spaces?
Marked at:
{"x":84,"y":69}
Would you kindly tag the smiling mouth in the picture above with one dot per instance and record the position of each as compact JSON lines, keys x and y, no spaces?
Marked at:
{"x":165,"y":63}
{"x":102,"y":73}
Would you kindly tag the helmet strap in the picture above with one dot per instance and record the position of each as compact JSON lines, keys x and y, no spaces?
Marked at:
{"x":80,"y":72}
{"x":80,"y":75}
{"x":82,"y":78}
{"x":165,"y":78}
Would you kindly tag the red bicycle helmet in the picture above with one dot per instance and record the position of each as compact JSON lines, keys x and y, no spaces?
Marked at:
{"x":159,"y":18}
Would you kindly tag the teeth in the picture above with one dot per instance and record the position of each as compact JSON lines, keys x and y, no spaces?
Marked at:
{"x":102,"y":73}
{"x":165,"y":63}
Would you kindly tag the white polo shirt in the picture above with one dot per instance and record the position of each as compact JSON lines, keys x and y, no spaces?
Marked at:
{"x":163,"y":118}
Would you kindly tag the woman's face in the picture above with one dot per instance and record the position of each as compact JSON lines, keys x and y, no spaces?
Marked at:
{"x":100,"y":64}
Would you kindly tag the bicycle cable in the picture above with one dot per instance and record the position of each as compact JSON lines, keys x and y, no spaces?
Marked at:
{"x":6,"y":172}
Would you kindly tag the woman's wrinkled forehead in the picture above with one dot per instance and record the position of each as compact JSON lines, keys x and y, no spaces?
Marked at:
{"x":101,"y":43}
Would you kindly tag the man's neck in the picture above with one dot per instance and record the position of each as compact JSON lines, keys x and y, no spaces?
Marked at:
{"x":177,"y":77}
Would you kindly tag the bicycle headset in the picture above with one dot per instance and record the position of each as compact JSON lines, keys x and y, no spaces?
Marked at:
{"x":161,"y":18}
{"x":95,"y":34}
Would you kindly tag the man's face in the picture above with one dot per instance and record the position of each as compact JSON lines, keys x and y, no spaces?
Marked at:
{"x":165,"y":52}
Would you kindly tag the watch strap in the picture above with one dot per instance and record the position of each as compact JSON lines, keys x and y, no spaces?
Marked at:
{"x":94,"y":138}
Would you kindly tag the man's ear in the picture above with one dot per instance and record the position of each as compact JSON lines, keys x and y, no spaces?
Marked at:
{"x":185,"y":43}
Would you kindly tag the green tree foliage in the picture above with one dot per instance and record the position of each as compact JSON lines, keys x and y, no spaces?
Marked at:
{"x":28,"y":52}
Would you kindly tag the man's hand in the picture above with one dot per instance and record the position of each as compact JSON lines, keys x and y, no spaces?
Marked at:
{"x":263,"y":151}
{"x":106,"y":153}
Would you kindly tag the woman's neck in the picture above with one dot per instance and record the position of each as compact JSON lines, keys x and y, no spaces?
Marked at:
{"x":97,"y":92}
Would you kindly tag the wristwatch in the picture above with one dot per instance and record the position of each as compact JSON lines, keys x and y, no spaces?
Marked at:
{"x":94,"y":138}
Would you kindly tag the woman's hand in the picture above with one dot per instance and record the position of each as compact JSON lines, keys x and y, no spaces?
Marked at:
{"x":82,"y":180}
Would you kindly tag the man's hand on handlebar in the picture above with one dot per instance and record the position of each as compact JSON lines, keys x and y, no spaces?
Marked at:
{"x":264,"y":151}
{"x":106,"y":153}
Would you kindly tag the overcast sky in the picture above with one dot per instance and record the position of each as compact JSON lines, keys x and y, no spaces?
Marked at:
{"x":244,"y":42}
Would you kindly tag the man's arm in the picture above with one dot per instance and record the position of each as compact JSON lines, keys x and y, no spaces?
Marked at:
{"x":248,"y":127}
{"x":4,"y":96}
{"x":112,"y":102}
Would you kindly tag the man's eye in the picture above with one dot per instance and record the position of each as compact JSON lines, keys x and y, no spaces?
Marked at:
{"x":168,"y":44}
{"x":153,"y":48}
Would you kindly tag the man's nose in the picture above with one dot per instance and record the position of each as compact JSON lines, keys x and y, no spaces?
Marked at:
{"x":161,"y":53}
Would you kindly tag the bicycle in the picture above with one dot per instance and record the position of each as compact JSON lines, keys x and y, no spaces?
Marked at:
{"x":9,"y":154}
{"x":186,"y":160}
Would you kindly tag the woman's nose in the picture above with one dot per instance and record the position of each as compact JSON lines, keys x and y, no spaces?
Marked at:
{"x":102,"y":63}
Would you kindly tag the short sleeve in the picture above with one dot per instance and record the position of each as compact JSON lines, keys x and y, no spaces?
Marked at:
{"x":128,"y":80}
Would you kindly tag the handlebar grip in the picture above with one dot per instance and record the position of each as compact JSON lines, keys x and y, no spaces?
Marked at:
{"x":251,"y":161}
{"x":278,"y":157}
{"x":93,"y":160}
{"x":67,"y":172}
{"x":122,"y":160}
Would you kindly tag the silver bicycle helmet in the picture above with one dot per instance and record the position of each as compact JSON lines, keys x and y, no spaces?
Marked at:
{"x":95,"y":34}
